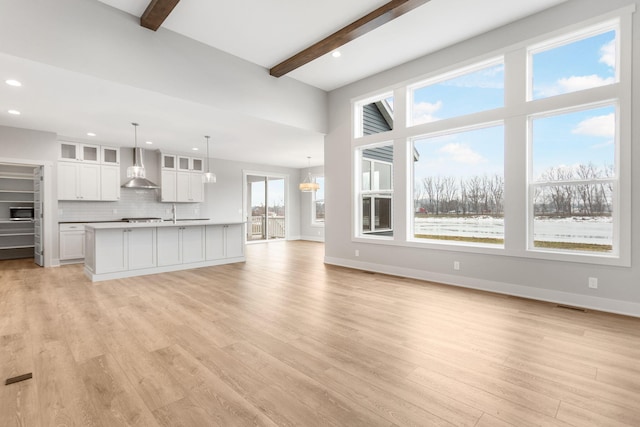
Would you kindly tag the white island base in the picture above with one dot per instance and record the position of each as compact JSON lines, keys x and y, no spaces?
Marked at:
{"x":116,"y":250}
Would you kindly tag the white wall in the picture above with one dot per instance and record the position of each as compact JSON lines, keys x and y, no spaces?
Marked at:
{"x":565,"y":282}
{"x":308,"y":231}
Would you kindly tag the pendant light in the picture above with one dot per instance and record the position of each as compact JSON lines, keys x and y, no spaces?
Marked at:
{"x":208,"y":177}
{"x":308,"y":185}
{"x":136,"y":172}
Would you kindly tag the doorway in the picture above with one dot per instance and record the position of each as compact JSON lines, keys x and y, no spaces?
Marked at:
{"x":266,"y":207}
{"x":21,"y":212}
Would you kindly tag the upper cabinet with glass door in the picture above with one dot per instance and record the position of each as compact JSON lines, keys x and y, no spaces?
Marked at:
{"x":190,"y":164}
{"x":70,"y":151}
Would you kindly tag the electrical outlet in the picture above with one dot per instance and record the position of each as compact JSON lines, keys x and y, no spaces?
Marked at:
{"x":357,"y":252}
{"x":115,"y":211}
{"x":456,"y":265}
{"x":593,"y":282}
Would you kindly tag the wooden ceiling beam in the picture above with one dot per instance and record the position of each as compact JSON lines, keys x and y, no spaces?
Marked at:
{"x":369,"y":22}
{"x":156,"y":13}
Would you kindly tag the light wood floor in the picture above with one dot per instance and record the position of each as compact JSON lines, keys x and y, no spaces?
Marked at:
{"x":286,"y":340}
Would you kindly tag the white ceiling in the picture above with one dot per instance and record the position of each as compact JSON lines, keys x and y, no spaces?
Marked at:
{"x":264,"y":32}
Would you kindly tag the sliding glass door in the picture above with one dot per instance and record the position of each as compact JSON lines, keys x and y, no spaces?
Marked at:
{"x":266,"y":207}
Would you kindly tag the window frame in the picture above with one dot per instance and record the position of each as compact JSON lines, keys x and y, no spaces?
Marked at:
{"x":411,"y":182}
{"x":314,"y":219}
{"x":358,"y":116}
{"x":616,"y":180}
{"x":360,"y":193}
{"x":515,"y":113}
{"x":567,"y":38}
{"x":443,"y":77}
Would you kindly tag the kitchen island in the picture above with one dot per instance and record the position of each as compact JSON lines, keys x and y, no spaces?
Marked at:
{"x":114,"y":250}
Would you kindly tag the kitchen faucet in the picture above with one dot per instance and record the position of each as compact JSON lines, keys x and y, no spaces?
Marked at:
{"x":174,"y":212}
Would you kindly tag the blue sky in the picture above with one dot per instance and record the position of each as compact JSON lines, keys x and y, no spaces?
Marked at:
{"x":563,"y":140}
{"x":276,"y":192}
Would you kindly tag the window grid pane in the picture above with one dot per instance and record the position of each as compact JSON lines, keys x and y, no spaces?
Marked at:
{"x":475,"y":91}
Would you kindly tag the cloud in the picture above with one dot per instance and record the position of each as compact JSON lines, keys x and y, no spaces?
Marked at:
{"x":600,"y":126}
{"x":487,"y":78}
{"x":608,"y":54}
{"x":462,"y":153}
{"x":423,"y":112}
{"x":574,"y":84}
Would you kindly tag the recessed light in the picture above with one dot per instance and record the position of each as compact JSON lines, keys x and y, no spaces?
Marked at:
{"x":91,"y":134}
{"x":336,"y":54}
{"x":149,"y":142}
{"x":14,"y":112}
{"x":12,"y":82}
{"x":195,"y":148}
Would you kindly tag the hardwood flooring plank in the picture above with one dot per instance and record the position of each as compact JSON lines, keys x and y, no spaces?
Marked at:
{"x":62,"y":395}
{"x":499,"y":407}
{"x":113,"y":395}
{"x":582,"y":417}
{"x":208,"y":391}
{"x":284,"y":340}
{"x":184,"y":413}
{"x":323,"y":402}
{"x":154,"y":385}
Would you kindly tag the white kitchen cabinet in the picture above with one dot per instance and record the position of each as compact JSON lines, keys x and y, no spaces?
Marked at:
{"x":184,"y":163}
{"x":121,"y":249}
{"x":168,"y":189}
{"x":234,"y":240}
{"x":141,"y":248}
{"x":117,"y":250}
{"x":181,"y":178}
{"x":110,"y":183}
{"x":78,"y":181}
{"x":189,"y":187}
{"x":168,"y":161}
{"x":109,"y":155}
{"x":180,"y":245}
{"x":71,"y":240}
{"x":73,"y":151}
{"x":224,"y":241}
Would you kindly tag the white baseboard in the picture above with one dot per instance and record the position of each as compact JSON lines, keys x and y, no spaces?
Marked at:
{"x":549,"y":295}
{"x":312,"y":238}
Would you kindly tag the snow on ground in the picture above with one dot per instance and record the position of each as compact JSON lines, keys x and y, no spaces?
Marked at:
{"x":576,"y":229}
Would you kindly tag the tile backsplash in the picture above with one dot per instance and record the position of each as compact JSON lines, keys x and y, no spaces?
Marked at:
{"x":133,"y":203}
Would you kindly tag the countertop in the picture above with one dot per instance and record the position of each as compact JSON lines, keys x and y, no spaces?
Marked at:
{"x":179,"y":223}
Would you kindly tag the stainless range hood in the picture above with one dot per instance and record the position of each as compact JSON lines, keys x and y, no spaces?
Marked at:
{"x":138,"y":180}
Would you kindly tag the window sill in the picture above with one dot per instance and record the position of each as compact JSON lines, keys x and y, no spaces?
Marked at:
{"x":483,"y":249}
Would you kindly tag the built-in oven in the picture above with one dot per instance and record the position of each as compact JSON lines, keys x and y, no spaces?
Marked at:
{"x":19,"y":213}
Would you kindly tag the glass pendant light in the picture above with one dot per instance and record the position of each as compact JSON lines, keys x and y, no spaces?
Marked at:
{"x":208,"y":177}
{"x":137,"y":169}
{"x":308,"y":185}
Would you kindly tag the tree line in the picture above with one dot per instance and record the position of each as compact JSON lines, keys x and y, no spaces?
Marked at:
{"x":484,"y":194}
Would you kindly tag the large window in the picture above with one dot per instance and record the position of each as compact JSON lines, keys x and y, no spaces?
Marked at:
{"x":524,"y":153}
{"x":376,"y":190}
{"x":574,"y":180}
{"x":458,"y":182}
